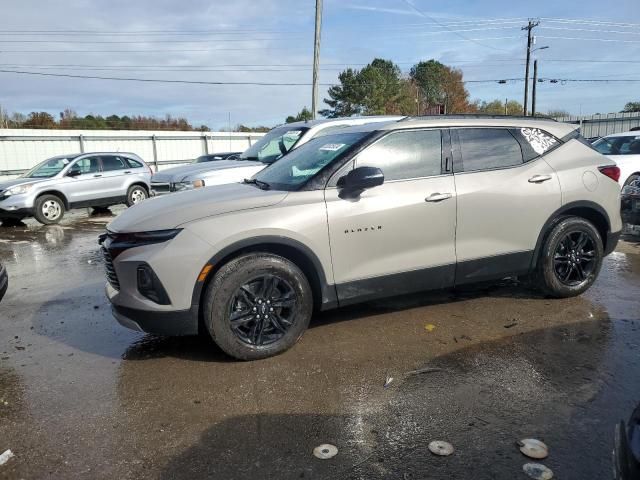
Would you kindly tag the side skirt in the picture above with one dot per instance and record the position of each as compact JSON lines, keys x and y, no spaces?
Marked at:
{"x":99,"y":202}
{"x":493,"y":268}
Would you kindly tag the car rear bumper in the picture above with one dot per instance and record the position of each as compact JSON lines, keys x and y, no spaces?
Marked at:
{"x":612,"y":241}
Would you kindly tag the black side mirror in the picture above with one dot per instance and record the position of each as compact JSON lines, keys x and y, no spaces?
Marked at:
{"x":74,"y":172}
{"x":361,"y":178}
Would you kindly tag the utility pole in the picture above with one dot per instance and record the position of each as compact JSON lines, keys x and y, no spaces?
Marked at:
{"x":529,"y":28}
{"x":316,"y":60}
{"x":506,"y":104}
{"x":535,"y":83}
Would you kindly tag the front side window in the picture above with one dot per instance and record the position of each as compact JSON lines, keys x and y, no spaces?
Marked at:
{"x":404,"y":155}
{"x":486,"y":149}
{"x":110,"y":164}
{"x":274,"y":144}
{"x":623,"y":145}
{"x":87,"y":165}
{"x":49,"y":168}
{"x":304,"y":162}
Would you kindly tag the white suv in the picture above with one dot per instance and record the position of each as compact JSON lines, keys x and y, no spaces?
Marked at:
{"x":271,"y":147}
{"x":624,"y":148}
{"x":363,"y":213}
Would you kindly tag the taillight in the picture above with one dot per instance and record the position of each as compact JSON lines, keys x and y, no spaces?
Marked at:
{"x":611,"y":171}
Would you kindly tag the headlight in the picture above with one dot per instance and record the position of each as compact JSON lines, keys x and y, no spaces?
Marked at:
{"x":187,"y":185}
{"x":19,"y":189}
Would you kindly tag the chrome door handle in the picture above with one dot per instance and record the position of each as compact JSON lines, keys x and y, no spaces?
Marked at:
{"x":438,"y":197}
{"x":539,"y":178}
{"x":127,"y":171}
{"x":97,"y":175}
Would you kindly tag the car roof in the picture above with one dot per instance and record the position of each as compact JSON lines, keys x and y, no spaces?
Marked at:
{"x":557,"y":129}
{"x":345,"y":120}
{"x":624,"y":134}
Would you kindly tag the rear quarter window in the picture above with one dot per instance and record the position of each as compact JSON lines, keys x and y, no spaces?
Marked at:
{"x":134,"y":163}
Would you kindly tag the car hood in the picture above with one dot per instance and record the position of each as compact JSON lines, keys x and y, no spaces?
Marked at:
{"x":19,"y":181}
{"x":171,"y":211}
{"x":177,"y":174}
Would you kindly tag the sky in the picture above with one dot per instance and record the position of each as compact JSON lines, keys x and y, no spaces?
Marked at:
{"x":271,"y":41}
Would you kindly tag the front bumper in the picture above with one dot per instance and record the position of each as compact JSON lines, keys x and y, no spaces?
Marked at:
{"x":176,"y":323}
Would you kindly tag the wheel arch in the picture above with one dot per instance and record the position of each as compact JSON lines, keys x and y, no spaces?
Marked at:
{"x":324,"y":295}
{"x":141,"y":184}
{"x":58,"y":194}
{"x":590,"y":211}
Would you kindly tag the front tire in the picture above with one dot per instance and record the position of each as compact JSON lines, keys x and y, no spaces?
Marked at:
{"x":136,"y":194}
{"x":632,"y":178}
{"x":49,"y":209}
{"x":570,"y":259}
{"x":257,"y":306}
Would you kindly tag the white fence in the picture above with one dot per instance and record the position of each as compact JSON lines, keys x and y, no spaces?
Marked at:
{"x":21,"y":149}
{"x":601,"y":125}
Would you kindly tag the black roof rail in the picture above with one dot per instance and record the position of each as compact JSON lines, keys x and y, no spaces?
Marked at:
{"x":476,"y":115}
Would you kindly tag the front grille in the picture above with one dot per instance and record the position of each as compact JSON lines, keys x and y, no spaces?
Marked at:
{"x":161,"y":187}
{"x":109,"y":270}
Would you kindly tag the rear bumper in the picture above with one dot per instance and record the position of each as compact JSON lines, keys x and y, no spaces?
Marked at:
{"x":176,"y":323}
{"x":612,"y":241}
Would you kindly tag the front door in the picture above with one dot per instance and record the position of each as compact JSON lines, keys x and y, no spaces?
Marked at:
{"x":399,"y":237}
{"x":82,"y":187}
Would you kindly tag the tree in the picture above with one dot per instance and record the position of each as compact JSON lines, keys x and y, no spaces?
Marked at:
{"x":303,"y":116}
{"x":377,"y":89}
{"x":40,"y":120}
{"x":631,"y":107}
{"x":440,"y":84}
{"x":496,"y":107}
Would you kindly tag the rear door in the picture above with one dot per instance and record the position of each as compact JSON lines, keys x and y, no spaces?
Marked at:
{"x":398,"y":237}
{"x":506,"y":192}
{"x":114,"y":172}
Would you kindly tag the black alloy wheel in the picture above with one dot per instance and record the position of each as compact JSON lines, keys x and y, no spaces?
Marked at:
{"x":574,"y":258}
{"x":263,"y":310}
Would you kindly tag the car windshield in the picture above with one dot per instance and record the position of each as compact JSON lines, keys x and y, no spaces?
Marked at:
{"x":622,"y":145}
{"x":49,"y":168}
{"x":307,"y":160}
{"x":274,"y":144}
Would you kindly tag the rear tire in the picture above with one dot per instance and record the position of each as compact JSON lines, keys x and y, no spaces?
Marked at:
{"x":631,"y":178}
{"x":257,"y":306}
{"x":136,"y":194}
{"x":49,"y":209}
{"x":570,"y":259}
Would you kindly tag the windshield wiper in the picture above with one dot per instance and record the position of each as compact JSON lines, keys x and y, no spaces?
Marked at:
{"x":248,"y":158}
{"x":258,"y":183}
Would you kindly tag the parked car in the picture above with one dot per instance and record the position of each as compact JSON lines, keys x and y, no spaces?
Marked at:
{"x":4,"y":281}
{"x":74,"y":181}
{"x":630,"y":206}
{"x":363,"y":213}
{"x":213,"y":157}
{"x":624,"y":148}
{"x":268,"y":149}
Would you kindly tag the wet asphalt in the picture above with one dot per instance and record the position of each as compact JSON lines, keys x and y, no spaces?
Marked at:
{"x":82,"y":397}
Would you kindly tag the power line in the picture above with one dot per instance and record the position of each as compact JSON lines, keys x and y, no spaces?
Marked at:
{"x":421,"y":13}
{"x":614,"y":40}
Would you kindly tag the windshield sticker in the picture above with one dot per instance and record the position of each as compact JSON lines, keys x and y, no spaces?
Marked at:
{"x":293,"y":133}
{"x":332,"y":147}
{"x":539,"y":140}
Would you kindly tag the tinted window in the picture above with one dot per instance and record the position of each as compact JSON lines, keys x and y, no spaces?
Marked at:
{"x":134,"y":163}
{"x":87,"y":165}
{"x":403,"y":155}
{"x":487,"y":148}
{"x":627,"y":145}
{"x":112,"y":163}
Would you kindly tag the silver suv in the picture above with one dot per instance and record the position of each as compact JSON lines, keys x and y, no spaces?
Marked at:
{"x":363,"y":213}
{"x":271,"y":147}
{"x":74,"y":181}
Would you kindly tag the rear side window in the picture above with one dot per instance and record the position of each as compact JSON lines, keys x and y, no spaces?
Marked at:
{"x":486,"y":149}
{"x":404,"y":155}
{"x":536,"y":142}
{"x":623,"y":145}
{"x":133,"y":163}
{"x":112,"y":163}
